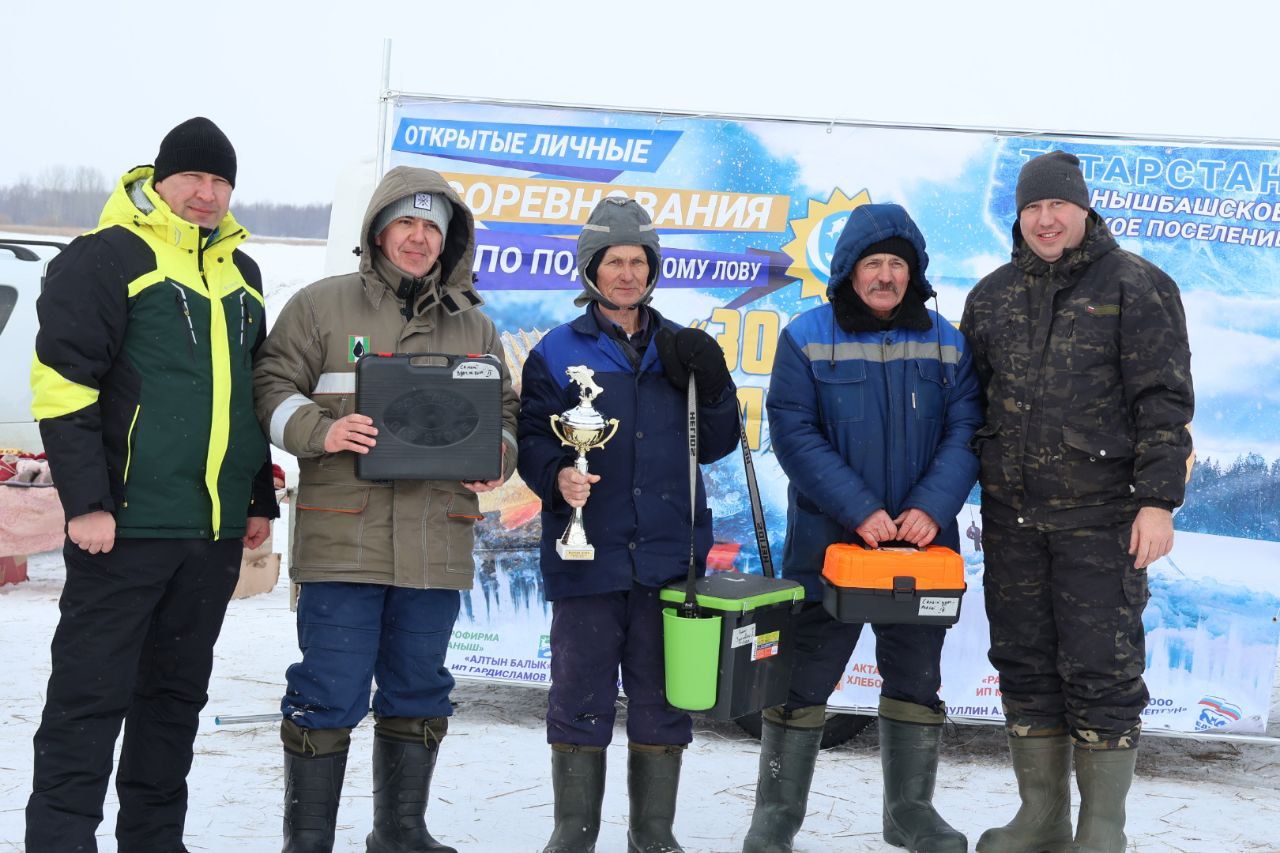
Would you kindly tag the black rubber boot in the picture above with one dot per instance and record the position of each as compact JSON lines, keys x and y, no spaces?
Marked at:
{"x":1104,"y":777}
{"x":787,"y":758}
{"x":401,"y":784}
{"x":909,"y":762}
{"x":312,"y":788}
{"x":653,"y":776}
{"x":1042,"y":766}
{"x":577,"y":778}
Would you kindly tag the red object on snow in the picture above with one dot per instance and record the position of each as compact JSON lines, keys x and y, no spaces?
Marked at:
{"x":13,"y":570}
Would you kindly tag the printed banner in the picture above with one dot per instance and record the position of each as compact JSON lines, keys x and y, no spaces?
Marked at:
{"x":749,"y":212}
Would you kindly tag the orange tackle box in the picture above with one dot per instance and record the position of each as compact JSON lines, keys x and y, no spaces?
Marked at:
{"x":895,"y":583}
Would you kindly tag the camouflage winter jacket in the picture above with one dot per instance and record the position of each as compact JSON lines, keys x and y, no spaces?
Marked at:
{"x":1087,"y":374}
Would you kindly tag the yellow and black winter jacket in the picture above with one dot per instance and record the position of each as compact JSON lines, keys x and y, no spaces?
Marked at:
{"x":143,"y":393}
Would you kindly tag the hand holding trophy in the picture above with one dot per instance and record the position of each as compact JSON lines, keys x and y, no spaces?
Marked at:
{"x":583,"y":428}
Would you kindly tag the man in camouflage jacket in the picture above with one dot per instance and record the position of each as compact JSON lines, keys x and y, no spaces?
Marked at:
{"x":1081,"y":349}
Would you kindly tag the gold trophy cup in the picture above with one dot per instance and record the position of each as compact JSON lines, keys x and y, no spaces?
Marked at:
{"x":582,"y":428}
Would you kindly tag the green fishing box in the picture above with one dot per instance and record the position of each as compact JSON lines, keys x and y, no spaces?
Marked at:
{"x":736,"y":659}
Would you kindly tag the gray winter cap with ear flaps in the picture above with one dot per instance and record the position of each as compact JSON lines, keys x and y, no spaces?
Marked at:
{"x":616,"y":221}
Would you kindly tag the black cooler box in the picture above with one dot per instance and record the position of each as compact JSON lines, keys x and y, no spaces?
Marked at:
{"x":439,"y":417}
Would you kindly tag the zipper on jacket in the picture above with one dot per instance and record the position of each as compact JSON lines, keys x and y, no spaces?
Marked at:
{"x":1035,"y":389}
{"x":180,"y":299}
{"x":128,"y":452}
{"x":888,"y":394}
{"x":245,"y":320}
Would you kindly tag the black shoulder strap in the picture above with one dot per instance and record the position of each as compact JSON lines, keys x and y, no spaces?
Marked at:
{"x":690,"y":605}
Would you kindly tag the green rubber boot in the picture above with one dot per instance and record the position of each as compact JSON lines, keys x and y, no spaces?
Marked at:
{"x":1042,"y":766}
{"x":1103,"y":777}
{"x":653,"y":776}
{"x":577,"y":778}
{"x":909,"y":762}
{"x":788,"y":754}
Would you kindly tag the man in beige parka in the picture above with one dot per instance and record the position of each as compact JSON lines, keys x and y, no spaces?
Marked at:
{"x":380,"y":563}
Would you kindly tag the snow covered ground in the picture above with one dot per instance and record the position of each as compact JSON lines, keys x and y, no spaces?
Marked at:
{"x":492,"y":793}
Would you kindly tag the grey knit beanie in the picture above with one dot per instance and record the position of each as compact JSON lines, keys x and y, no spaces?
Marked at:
{"x":1053,"y":175}
{"x":615,"y":221}
{"x":432,"y":207}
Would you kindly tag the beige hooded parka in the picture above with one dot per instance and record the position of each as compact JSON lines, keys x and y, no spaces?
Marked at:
{"x":408,"y":533}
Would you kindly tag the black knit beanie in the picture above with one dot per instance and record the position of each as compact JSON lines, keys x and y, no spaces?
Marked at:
{"x":1053,"y":175}
{"x":899,"y":246}
{"x":196,"y":145}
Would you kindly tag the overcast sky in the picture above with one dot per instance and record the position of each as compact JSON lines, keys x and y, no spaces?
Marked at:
{"x":98,"y":84}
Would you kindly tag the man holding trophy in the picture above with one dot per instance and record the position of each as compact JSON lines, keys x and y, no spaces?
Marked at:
{"x":603,"y":444}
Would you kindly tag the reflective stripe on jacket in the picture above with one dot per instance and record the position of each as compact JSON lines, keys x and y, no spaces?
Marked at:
{"x":862,"y":421}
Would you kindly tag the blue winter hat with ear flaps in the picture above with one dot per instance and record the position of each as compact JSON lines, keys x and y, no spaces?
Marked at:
{"x":870,"y":225}
{"x":616,"y":221}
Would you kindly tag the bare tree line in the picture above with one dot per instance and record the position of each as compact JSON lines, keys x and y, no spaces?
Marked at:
{"x":66,"y":197}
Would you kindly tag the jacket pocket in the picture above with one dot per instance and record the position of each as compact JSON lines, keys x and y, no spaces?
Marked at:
{"x":462,"y":513}
{"x":1136,"y":589}
{"x":1098,"y":466}
{"x":929,"y":391}
{"x":1094,"y":339}
{"x":1097,"y":446}
{"x":129,"y":442}
{"x":840,"y":388}
{"x":331,"y":524}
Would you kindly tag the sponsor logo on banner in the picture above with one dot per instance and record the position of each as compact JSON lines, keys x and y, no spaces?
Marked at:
{"x":1216,"y":713}
{"x":815,"y":242}
{"x":544,"y":647}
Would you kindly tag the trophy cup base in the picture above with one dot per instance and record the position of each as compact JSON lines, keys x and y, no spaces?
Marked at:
{"x":575,"y":552}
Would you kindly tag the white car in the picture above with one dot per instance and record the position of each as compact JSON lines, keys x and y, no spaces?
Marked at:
{"x":22,"y":270}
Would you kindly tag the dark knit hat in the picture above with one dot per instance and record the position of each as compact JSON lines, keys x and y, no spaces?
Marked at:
{"x":899,"y":246}
{"x":1053,"y":175}
{"x":196,"y":145}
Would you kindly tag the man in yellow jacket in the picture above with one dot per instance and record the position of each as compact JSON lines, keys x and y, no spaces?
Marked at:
{"x":143,"y":389}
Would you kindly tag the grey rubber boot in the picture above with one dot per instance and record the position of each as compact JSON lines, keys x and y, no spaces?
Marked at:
{"x":402,"y":773}
{"x":788,"y":754}
{"x":1103,"y":777}
{"x":653,"y":776}
{"x":1042,"y":766}
{"x":909,"y":762}
{"x":312,"y":788}
{"x":577,"y":778}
